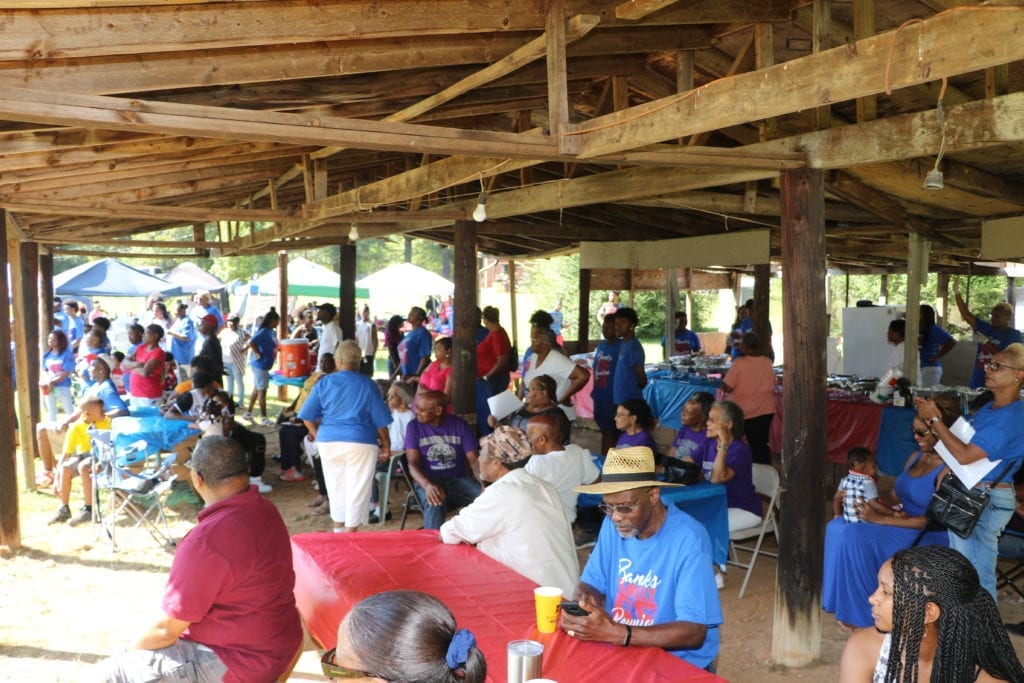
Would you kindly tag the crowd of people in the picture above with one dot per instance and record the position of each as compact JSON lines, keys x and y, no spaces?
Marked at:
{"x":509,"y":486}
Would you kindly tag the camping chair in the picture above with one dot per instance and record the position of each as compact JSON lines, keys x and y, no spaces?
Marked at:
{"x":412,"y":502}
{"x":1011,"y":547}
{"x":131,"y":484}
{"x":384,"y":485}
{"x":766,"y":483}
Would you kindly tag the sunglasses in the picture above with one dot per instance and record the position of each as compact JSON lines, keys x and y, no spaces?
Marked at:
{"x":921,"y":432}
{"x":623,"y":509}
{"x":332,"y":670}
{"x":996,"y":366}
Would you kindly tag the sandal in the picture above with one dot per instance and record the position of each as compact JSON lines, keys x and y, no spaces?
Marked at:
{"x":292,"y":475}
{"x":322,"y":510}
{"x":316,"y":502}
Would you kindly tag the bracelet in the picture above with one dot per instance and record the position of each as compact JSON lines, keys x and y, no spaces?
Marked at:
{"x":629,"y":635}
{"x":934,"y":419}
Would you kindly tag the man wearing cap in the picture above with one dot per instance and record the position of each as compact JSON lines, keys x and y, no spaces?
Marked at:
{"x":210,"y":346}
{"x":518,"y":520}
{"x":330,"y":335}
{"x":442,"y":454}
{"x":229,"y":607}
{"x":649,"y":580}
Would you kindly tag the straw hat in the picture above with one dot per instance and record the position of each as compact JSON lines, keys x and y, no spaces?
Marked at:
{"x":625,"y":469}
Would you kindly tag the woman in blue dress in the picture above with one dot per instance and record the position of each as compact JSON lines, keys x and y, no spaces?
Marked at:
{"x":855,"y":552}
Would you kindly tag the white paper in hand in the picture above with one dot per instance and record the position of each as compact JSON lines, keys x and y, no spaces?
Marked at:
{"x":970,"y":474}
{"x":504,"y":404}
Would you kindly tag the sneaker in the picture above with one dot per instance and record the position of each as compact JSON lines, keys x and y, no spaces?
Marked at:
{"x":260,"y":485}
{"x":247,"y":416}
{"x":291,"y":475}
{"x":267,"y":422}
{"x":375,"y":518}
{"x":63,"y":515}
{"x":84,"y":515}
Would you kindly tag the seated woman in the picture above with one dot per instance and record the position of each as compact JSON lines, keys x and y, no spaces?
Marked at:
{"x":404,"y":635}
{"x":854,"y":552}
{"x":931,"y":620}
{"x":726,"y":459}
{"x":399,"y":396}
{"x":438,"y":375}
{"x":692,"y":436}
{"x":540,"y":400}
{"x":633,"y":417}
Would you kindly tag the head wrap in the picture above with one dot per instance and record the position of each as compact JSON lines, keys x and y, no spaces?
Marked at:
{"x":458,"y":650}
{"x":508,"y":444}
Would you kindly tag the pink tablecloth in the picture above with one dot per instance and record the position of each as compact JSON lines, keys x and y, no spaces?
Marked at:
{"x":334,"y":571}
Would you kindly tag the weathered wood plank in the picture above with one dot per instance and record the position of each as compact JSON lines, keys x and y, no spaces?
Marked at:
{"x":945,"y":45}
{"x":10,"y":521}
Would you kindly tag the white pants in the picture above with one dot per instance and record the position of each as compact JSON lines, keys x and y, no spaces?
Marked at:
{"x":929,"y":376}
{"x":348,"y":472}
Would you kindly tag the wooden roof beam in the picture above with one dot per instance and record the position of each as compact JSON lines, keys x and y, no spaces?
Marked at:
{"x":945,"y":45}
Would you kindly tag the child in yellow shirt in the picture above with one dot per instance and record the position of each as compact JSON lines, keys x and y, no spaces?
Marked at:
{"x":78,"y":458}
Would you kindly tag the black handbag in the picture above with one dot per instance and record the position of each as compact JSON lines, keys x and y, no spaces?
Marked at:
{"x":957,"y":508}
{"x":681,"y":471}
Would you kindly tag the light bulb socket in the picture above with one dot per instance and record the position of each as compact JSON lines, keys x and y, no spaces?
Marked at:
{"x":933,"y":181}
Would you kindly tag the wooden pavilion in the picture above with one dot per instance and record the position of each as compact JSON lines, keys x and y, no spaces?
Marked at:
{"x":271,"y":125}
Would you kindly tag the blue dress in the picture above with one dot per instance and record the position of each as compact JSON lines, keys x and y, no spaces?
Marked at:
{"x":855,"y":552}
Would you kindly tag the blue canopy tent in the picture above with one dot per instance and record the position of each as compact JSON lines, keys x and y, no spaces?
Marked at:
{"x":110,"y":277}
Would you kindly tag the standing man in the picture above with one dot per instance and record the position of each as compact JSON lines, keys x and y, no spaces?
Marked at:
{"x":229,"y":605}
{"x":330,"y":335}
{"x":204,"y":307}
{"x":558,"y":322}
{"x":442,"y":454}
{"x":606,"y":357}
{"x":76,"y":326}
{"x":610,"y":306}
{"x":366,"y":337}
{"x":649,"y":580}
{"x":414,"y":349}
{"x":684,"y":340}
{"x":629,"y":378}
{"x":183,"y":340}
{"x":210,"y":346}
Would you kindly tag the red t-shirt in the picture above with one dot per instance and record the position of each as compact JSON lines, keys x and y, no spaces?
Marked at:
{"x":494,"y":344}
{"x":232,"y":580}
{"x":153,"y":385}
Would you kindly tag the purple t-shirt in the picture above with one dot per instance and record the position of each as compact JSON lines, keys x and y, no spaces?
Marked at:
{"x":688,"y":443}
{"x":443,"y":447}
{"x":739,"y":491}
{"x":641,"y":438}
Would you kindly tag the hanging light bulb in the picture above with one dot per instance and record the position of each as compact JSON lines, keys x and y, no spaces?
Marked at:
{"x":480,"y":212}
{"x":353,"y":233}
{"x":933,"y":180}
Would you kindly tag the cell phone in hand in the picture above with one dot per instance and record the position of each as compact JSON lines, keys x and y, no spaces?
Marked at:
{"x":573,"y":607}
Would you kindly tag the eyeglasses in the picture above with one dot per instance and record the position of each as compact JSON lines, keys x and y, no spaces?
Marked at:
{"x":622,"y":509}
{"x":996,"y":366}
{"x":920,"y":432}
{"x":332,"y":670}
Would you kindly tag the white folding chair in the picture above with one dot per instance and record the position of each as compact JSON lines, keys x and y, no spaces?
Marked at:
{"x":766,"y":483}
{"x":121,"y":491}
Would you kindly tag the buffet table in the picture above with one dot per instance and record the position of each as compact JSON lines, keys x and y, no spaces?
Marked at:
{"x":334,"y":571}
{"x":666,"y":397}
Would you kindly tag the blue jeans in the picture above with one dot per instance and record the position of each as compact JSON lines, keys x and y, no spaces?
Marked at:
{"x":458,"y":493}
{"x":236,"y":379}
{"x":981,"y":548}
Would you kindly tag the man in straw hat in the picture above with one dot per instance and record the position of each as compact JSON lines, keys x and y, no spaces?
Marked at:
{"x":649,"y":579}
{"x":519,"y":519}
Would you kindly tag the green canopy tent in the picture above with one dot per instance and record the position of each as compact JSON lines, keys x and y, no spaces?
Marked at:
{"x":305,"y":278}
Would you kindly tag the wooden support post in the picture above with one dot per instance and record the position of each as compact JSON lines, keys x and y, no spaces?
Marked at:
{"x":864,"y":27}
{"x":1011,"y":298}
{"x":688,"y":274}
{"x":630,"y":274}
{"x":671,"y":306}
{"x":684,"y":76}
{"x":942,"y":298}
{"x":282,"y":310}
{"x":45,"y":296}
{"x":466,"y":321}
{"x":512,"y":302}
{"x":583,"y":324}
{"x":347,"y":293}
{"x":24,"y":260}
{"x":846,"y":283}
{"x":558,"y":85}
{"x":10,"y":520}
{"x":796,"y":633}
{"x":762,"y":298}
{"x":917,"y":272}
{"x":883,"y":289}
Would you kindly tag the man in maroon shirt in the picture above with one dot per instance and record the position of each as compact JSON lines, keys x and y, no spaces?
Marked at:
{"x":228,"y":608}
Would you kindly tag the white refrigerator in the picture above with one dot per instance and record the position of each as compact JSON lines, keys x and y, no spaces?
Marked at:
{"x":866,"y":348}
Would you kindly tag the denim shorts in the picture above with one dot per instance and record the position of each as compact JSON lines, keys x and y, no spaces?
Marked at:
{"x":260,"y":378}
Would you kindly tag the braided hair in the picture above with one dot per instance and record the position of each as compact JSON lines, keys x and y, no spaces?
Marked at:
{"x":970,"y":630}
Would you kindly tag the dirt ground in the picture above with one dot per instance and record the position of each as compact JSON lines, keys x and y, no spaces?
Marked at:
{"x":69,"y":601}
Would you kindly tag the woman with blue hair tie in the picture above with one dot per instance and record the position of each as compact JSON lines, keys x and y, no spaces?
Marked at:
{"x":404,"y":635}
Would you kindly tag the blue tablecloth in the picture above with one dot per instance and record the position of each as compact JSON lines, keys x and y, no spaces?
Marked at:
{"x":704,"y":502}
{"x":158,"y":433}
{"x":666,"y":397}
{"x":278,"y":379}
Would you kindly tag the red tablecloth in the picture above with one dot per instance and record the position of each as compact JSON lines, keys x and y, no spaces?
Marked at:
{"x":848,"y":424}
{"x":334,"y":571}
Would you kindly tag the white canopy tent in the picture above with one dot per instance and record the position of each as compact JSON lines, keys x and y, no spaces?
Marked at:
{"x":396,"y":288}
